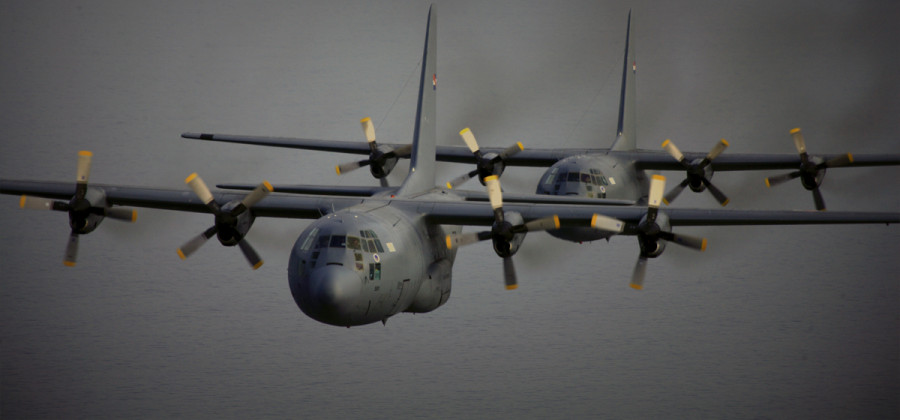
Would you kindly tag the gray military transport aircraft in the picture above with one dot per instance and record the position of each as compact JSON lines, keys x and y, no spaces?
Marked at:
{"x":365,"y":259}
{"x":614,"y":173}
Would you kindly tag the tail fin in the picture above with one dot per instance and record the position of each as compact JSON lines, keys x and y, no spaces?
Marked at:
{"x":422,"y":163}
{"x":626,"y":134}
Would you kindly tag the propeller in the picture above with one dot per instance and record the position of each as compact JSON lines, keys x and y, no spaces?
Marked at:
{"x":381,"y":158}
{"x":811,"y":171}
{"x":698,"y":172}
{"x":86,"y":209}
{"x":507,"y":232}
{"x":232,"y":221}
{"x":650,"y":232}
{"x":486,"y":164}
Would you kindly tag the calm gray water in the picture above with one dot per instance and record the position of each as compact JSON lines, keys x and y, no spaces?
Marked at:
{"x":787,"y":322}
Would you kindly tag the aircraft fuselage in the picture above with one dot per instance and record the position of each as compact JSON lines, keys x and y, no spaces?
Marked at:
{"x":592,"y":176}
{"x":366,"y":263}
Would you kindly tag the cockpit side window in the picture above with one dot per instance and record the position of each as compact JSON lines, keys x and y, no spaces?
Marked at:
{"x":586,"y":178}
{"x":308,"y":241}
{"x":574,"y":177}
{"x":338,"y":241}
{"x":322,"y":242}
{"x":353,"y":242}
{"x":551,"y":176}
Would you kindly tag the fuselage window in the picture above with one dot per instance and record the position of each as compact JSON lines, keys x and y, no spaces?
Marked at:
{"x":375,"y":271}
{"x":322,"y":242}
{"x":338,"y":241}
{"x":353,"y":242}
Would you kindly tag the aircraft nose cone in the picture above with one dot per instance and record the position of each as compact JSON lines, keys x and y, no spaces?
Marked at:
{"x":334,"y":291}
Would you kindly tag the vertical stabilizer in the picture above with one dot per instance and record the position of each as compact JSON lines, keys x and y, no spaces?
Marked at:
{"x":422,"y":160}
{"x":626,"y":133}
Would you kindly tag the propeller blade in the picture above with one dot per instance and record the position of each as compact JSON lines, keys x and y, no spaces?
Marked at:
{"x":511,"y":150}
{"x":71,"y":250}
{"x":469,"y":138}
{"x":607,"y":223}
{"x":509,"y":274}
{"x":468,"y":238}
{"x":720,"y":196}
{"x":839,"y":161}
{"x":39,"y":203}
{"x":640,"y":271}
{"x":546,"y":223}
{"x":455,"y":182}
{"x":670,"y":147}
{"x":798,"y":141}
{"x":820,"y":202}
{"x":261,"y":191}
{"x":495,"y":193}
{"x":196,"y":242}
{"x":368,"y":129}
{"x":199,"y":187}
{"x":350,"y":166}
{"x":250,"y":254}
{"x":684,"y":240}
{"x":674,"y":192}
{"x":717,"y":149}
{"x":84,"y":171}
{"x":383,"y":182}
{"x":119,"y":213}
{"x":657,"y":185}
{"x":780,"y":179}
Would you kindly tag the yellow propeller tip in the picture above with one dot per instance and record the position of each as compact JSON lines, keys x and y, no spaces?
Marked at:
{"x":449,"y":186}
{"x":337,"y":169}
{"x":133,"y":216}
{"x":181,"y":254}
{"x":22,"y":201}
{"x":850,"y":156}
{"x":257,"y":265}
{"x":518,"y":143}
{"x":490,"y":178}
{"x":464,"y":130}
{"x":636,"y":286}
{"x":69,"y":263}
{"x":724,"y":203}
{"x":703,"y":245}
{"x":449,"y":242}
{"x":666,"y":143}
{"x":365,"y":119}
{"x":768,"y":185}
{"x":85,"y":153}
{"x":659,"y":177}
{"x":268,"y":186}
{"x":556,"y":221}
{"x":725,"y":142}
{"x":512,"y":286}
{"x":796,"y":130}
{"x":190,"y":178}
{"x":666,"y":202}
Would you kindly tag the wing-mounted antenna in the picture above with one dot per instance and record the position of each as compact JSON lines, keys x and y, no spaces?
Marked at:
{"x":626,"y":131}
{"x":422,"y":163}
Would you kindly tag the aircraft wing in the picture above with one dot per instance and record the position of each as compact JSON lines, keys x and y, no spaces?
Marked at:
{"x":662,"y":161}
{"x":440,"y":211}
